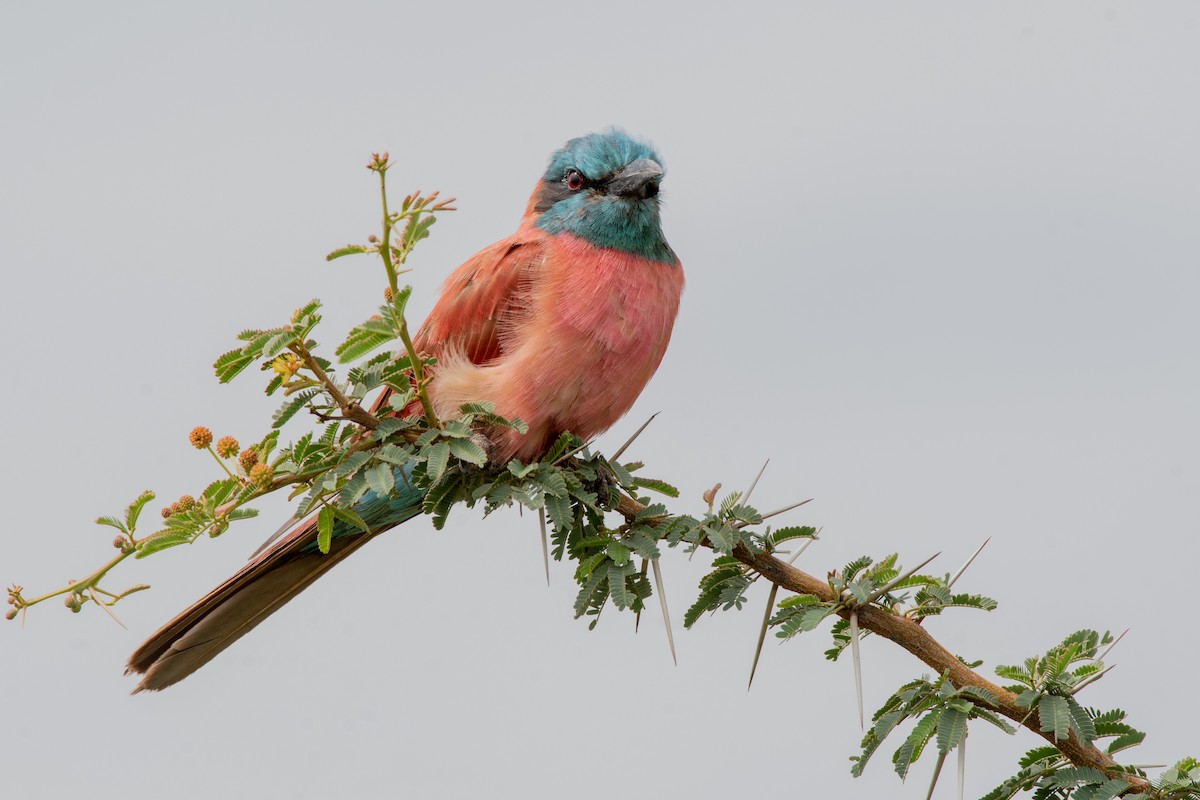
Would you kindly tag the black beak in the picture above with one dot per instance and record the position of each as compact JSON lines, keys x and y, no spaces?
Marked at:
{"x":639,"y":179}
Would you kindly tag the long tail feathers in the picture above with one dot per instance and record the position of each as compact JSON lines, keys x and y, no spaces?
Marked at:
{"x":229,"y":611}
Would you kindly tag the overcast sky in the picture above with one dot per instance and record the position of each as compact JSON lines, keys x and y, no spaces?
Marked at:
{"x":942,"y":268}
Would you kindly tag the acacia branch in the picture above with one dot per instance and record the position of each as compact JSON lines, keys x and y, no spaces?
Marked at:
{"x":915,"y":639}
{"x":350,"y":409}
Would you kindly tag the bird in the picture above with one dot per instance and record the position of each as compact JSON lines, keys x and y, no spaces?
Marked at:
{"x":562,"y":325}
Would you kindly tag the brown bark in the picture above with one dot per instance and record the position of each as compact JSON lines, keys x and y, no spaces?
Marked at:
{"x":918,"y":641}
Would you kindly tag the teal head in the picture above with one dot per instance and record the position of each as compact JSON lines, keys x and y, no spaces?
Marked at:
{"x":603,"y":187}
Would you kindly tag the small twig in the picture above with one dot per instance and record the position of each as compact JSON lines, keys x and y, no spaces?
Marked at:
{"x":350,"y":409}
{"x":217,"y":458}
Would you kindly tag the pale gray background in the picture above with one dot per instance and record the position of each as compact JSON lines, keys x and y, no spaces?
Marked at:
{"x":942,"y":266}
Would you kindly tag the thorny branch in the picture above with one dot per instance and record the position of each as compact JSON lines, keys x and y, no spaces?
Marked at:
{"x":915,"y":639}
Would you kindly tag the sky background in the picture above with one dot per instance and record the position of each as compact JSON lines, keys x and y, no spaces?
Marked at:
{"x":942,"y":270}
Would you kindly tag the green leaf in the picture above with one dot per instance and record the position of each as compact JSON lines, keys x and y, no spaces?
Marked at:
{"x":1126,"y":741}
{"x":112,"y":522}
{"x":979,"y":693}
{"x":1081,"y":721}
{"x":1076,"y":776}
{"x":643,"y":544}
{"x":440,"y":499}
{"x":914,"y":745}
{"x":951,"y":729}
{"x":351,"y":518}
{"x":437,"y":456}
{"x":781,"y":535}
{"x":617,"y":588}
{"x":349,"y":249}
{"x":324,"y":529}
{"x":468,"y":451}
{"x":278,"y":343}
{"x":655,"y":485}
{"x":618,"y":552}
{"x":291,"y":406}
{"x":621,"y":474}
{"x":1055,"y":715}
{"x":1105,"y":791}
{"x":219,"y":490}
{"x":723,"y":538}
{"x":381,"y":479}
{"x":359,"y":342}
{"x":521,"y":470}
{"x":160,"y":541}
{"x":851,"y":570}
{"x":807,"y":620}
{"x":564,"y":443}
{"x":559,"y":509}
{"x":703,"y":603}
{"x":400,"y":302}
{"x":1014,"y":673}
{"x":228,"y":365}
{"x":1039,"y":754}
{"x":134,"y":509}
{"x":994,"y":719}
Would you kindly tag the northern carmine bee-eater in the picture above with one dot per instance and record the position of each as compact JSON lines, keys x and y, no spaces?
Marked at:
{"x":561,"y":324}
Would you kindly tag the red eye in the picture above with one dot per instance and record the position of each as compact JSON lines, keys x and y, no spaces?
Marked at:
{"x":574,"y":180}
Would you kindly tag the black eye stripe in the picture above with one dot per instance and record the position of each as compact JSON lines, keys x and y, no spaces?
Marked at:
{"x":553,"y":191}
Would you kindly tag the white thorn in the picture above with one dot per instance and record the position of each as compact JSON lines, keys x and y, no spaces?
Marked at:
{"x":762,"y":634}
{"x":95,"y":599}
{"x":570,"y":453}
{"x":962,"y":765}
{"x":1111,"y":646}
{"x":800,"y":552}
{"x":778,"y":511}
{"x":1091,"y":679}
{"x":937,"y":771}
{"x":963,"y":568}
{"x":753,"y":483}
{"x":284,"y":528}
{"x":882,"y":590}
{"x":857,"y":667}
{"x":637,"y":616}
{"x":545,"y":543}
{"x":662,"y":602}
{"x":631,"y":439}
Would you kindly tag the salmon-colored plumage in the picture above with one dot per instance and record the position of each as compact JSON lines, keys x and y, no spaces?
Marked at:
{"x":553,"y":330}
{"x":560,"y":325}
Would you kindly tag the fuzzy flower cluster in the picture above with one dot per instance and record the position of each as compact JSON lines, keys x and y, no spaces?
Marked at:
{"x":184,"y":503}
{"x":200,"y":437}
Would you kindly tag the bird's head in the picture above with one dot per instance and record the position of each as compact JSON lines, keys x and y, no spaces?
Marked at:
{"x":603,"y":187}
